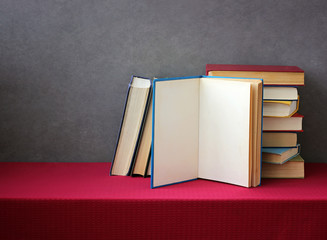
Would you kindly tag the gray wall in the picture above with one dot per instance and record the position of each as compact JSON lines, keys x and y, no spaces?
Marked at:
{"x":65,"y":65}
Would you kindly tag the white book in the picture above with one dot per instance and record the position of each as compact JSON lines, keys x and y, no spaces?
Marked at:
{"x":280,"y":93}
{"x":206,"y":127}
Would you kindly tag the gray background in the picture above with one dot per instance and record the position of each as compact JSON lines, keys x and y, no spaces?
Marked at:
{"x":65,"y":65}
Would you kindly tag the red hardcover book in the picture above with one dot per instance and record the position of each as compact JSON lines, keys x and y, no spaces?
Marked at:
{"x":271,"y":75}
{"x":292,"y":124}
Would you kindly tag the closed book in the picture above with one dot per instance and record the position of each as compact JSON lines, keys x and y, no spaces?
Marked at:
{"x":279,"y":155}
{"x":292,"y":124}
{"x":274,"y":108}
{"x":294,"y":168}
{"x":142,"y":155}
{"x":206,"y":127}
{"x":279,"y":139}
{"x":131,"y":126}
{"x":271,"y":75}
{"x":280,"y":93}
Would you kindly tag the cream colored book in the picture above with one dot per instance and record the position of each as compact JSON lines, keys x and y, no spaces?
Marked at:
{"x":206,"y":127}
{"x":279,"y":139}
{"x":294,"y":168}
{"x":293,"y":124}
{"x":131,"y":126}
{"x":273,"y":108}
{"x":279,"y":155}
{"x":142,"y":155}
{"x":280,"y":93}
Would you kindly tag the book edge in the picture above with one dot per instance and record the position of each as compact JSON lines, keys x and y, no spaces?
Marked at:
{"x":121,"y":124}
{"x":252,"y":68}
{"x":139,"y":137}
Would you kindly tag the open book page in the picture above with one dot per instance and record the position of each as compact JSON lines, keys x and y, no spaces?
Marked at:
{"x":224,"y":131}
{"x":176,"y":140}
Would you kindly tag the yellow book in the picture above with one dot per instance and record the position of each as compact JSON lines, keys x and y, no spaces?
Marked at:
{"x":276,"y":108}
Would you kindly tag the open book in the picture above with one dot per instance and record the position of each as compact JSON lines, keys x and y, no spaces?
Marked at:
{"x":206,"y":127}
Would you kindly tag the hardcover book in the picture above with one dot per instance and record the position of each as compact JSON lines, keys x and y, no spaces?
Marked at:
{"x":271,"y":75}
{"x":280,"y":108}
{"x":206,"y":127}
{"x":142,"y":157}
{"x":279,"y":155}
{"x":294,"y":168}
{"x":292,"y":124}
{"x":131,"y":126}
{"x":279,"y":139}
{"x":280,"y":93}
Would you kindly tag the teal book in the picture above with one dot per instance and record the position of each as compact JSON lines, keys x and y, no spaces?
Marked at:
{"x":206,"y":127}
{"x":279,"y":155}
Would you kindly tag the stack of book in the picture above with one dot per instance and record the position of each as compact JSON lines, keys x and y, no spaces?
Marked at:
{"x":236,"y":125}
{"x":281,"y":122}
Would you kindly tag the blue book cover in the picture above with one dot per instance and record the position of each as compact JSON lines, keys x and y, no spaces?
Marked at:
{"x":276,"y":155}
{"x":202,"y":126}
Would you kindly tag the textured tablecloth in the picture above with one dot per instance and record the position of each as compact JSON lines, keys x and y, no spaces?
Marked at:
{"x":81,"y":201}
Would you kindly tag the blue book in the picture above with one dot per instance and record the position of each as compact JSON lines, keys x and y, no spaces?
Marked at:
{"x":206,"y":127}
{"x":279,"y":155}
{"x":130,"y":130}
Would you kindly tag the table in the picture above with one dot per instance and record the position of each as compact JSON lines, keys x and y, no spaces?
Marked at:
{"x":81,"y":201}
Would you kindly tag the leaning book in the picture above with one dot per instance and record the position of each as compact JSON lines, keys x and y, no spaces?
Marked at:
{"x":206,"y":127}
{"x":142,"y":155}
{"x":131,"y":126}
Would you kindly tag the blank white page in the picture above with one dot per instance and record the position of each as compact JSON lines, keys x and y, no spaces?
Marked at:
{"x":224,"y":131}
{"x":176,"y":124}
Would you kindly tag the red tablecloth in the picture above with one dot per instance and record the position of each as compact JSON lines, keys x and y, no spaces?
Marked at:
{"x":81,"y":201}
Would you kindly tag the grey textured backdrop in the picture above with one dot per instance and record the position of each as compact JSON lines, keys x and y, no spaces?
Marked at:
{"x":65,"y":65}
